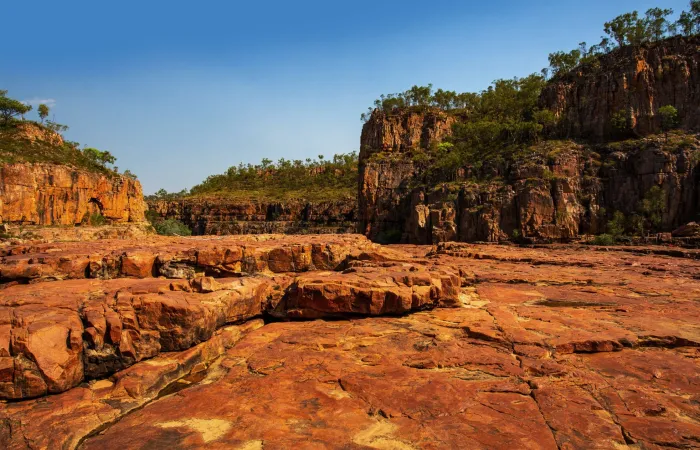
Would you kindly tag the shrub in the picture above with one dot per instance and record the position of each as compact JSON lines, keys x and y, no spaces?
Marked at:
{"x":604,"y":239}
{"x":616,"y":226}
{"x":172,"y":227}
{"x":621,"y":122}
{"x":97,"y":220}
{"x":653,"y":206}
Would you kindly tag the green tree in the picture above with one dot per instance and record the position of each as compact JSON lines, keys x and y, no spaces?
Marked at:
{"x":616,"y":226}
{"x":657,"y":25}
{"x":621,"y":122}
{"x":669,"y":119}
{"x":129,"y":174}
{"x":43,"y":112}
{"x":626,"y":29}
{"x":689,"y":21}
{"x":562,"y":62}
{"x":99,"y":157}
{"x":653,"y":206}
{"x":11,"y":108}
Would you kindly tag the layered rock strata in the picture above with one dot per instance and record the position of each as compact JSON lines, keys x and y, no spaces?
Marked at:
{"x":221,"y":216}
{"x":53,"y":194}
{"x":59,"y":333}
{"x":633,"y":82}
{"x":560,"y":191}
{"x":551,"y":347}
{"x":557,"y":190}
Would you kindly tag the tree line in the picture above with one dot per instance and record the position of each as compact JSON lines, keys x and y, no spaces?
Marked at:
{"x":625,"y":29}
{"x":12,"y":112}
{"x":628,"y":29}
{"x":269,"y":178}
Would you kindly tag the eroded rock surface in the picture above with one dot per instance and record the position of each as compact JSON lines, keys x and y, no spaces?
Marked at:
{"x":53,"y":194}
{"x":222,"y":216}
{"x":452,"y":346}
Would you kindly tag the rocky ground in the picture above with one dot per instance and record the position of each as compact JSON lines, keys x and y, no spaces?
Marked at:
{"x":271,"y":342}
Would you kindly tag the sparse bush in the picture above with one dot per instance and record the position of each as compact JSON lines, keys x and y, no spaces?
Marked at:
{"x":669,"y":119}
{"x":621,"y":123}
{"x":604,"y":239}
{"x":616,"y":226}
{"x":172,"y":227}
{"x":96,"y":220}
{"x":653,"y":206}
{"x":320,"y":179}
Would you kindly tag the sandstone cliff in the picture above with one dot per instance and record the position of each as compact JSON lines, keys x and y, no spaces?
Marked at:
{"x":634,"y":80}
{"x":555,"y":190}
{"x":227,"y":216}
{"x":52,"y":194}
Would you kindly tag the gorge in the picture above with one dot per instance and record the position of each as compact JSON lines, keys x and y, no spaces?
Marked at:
{"x":512,"y":269}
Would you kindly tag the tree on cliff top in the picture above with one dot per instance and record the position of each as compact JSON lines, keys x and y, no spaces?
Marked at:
{"x":689,"y":21}
{"x":43,"y":111}
{"x":11,"y":108}
{"x":630,"y":29}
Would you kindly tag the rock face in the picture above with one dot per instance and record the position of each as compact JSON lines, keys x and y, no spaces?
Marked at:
{"x":562,"y":188}
{"x":559,"y":191}
{"x":559,"y":346}
{"x":221,"y":216}
{"x":383,"y":183}
{"x":51,"y":194}
{"x":634,"y":80}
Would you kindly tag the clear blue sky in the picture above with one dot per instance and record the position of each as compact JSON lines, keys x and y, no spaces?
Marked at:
{"x":181,"y":90}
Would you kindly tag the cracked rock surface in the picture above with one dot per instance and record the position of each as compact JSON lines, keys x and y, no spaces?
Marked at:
{"x":400,"y":347}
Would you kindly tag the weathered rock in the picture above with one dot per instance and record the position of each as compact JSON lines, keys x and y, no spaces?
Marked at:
{"x":691,"y":229}
{"x":636,"y":81}
{"x":558,"y":190}
{"x":54,"y":337}
{"x":175,"y":257}
{"x":51,"y":194}
{"x":550,"y":347}
{"x":222,"y":216}
{"x":63,"y":421}
{"x":558,"y":193}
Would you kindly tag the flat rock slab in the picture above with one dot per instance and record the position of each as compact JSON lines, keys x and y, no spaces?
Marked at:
{"x":454,"y":346}
{"x":421,"y":382}
{"x":176,"y":257}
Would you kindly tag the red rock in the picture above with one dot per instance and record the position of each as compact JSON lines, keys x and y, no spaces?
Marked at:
{"x":551,"y":347}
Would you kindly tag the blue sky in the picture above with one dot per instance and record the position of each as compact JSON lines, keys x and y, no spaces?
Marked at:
{"x":182,"y":90}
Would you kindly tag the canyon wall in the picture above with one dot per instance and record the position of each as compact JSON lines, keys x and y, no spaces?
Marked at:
{"x":228,"y":216}
{"x":635,"y":81}
{"x":562,"y":189}
{"x":51,"y":194}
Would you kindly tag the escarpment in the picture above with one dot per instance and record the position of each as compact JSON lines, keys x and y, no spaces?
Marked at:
{"x":56,"y":194}
{"x":633,"y":82}
{"x":551,"y":189}
{"x":227,"y":216}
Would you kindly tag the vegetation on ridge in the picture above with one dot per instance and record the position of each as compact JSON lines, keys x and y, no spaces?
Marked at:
{"x":503,"y":122}
{"x":625,"y":29}
{"x":41,"y":142}
{"x":313,"y":179}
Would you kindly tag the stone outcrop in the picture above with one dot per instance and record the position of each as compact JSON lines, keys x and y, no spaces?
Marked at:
{"x":560,"y":346}
{"x":54,"y":336}
{"x":561,"y":189}
{"x":52,"y":194}
{"x":222,"y":216}
{"x":382,"y":183}
{"x":636,"y":81}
